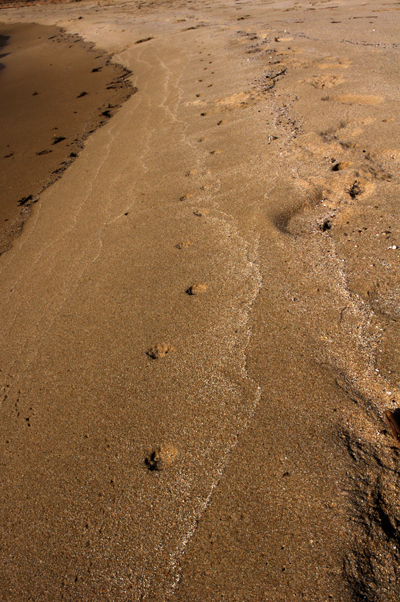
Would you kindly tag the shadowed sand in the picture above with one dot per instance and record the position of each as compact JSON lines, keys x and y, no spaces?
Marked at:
{"x":199,"y":320}
{"x":56,"y":91}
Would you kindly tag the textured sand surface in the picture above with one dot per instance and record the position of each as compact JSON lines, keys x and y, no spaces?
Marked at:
{"x":228,"y":444}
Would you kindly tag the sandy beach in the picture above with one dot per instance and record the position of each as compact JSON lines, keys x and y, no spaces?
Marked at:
{"x":200,"y":317}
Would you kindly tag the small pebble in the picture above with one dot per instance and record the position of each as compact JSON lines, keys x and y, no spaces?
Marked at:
{"x":160,"y":350}
{"x":196,"y":289}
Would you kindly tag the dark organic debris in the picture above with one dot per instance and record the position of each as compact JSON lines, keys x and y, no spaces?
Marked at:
{"x":143,"y":40}
{"x":25,"y":200}
{"x":194,"y":27}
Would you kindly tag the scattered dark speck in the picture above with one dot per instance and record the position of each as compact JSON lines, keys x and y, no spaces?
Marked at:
{"x":152,"y":462}
{"x":25,"y":200}
{"x":326,"y":225}
{"x":143,"y":40}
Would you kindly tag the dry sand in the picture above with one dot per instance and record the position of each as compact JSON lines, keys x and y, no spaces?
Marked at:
{"x":229,"y":444}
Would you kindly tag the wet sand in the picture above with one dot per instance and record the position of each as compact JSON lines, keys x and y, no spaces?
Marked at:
{"x":56,"y":91}
{"x":200,"y":317}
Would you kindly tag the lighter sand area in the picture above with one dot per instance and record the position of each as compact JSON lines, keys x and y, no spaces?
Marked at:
{"x":200,"y":318}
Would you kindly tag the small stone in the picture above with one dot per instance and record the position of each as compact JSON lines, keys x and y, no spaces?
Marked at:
{"x":184,"y":244}
{"x":197,"y":289}
{"x":341,"y":165}
{"x":201,"y":212}
{"x":160,"y":350}
{"x":162,"y":457}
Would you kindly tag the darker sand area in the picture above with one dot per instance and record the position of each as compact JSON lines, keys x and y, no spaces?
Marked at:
{"x":200,"y":318}
{"x":56,"y":91}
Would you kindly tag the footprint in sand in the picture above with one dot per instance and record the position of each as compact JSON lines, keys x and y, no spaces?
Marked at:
{"x":159,"y":351}
{"x":341,"y":64}
{"x":238,"y":100}
{"x":325,"y":81}
{"x":196,"y":289}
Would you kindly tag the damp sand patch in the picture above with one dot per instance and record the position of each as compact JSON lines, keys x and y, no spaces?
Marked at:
{"x":56,"y":91}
